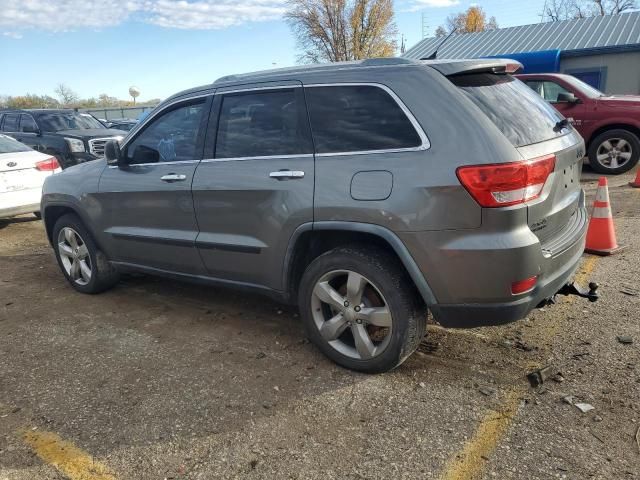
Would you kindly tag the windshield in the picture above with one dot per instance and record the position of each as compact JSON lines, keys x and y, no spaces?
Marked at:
{"x":519,"y":112}
{"x":583,"y":87}
{"x":9,"y":145}
{"x":54,"y":122}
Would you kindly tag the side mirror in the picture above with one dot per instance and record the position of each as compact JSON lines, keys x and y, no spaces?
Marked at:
{"x":113,"y":154}
{"x":565,"y":97}
{"x":30,"y":129}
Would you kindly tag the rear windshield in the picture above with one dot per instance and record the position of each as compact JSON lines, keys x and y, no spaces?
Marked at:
{"x":519,"y":112}
{"x":9,"y":145}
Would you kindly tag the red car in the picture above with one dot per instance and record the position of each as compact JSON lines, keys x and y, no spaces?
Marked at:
{"x":609,"y":124}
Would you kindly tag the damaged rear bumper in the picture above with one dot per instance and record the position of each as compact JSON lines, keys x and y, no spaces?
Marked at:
{"x":487,"y":314}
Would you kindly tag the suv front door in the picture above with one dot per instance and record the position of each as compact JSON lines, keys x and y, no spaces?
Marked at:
{"x":147,"y":207}
{"x":255,"y":185}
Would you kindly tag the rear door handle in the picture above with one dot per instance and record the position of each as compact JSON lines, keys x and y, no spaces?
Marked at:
{"x":173,"y":177}
{"x":287,"y":174}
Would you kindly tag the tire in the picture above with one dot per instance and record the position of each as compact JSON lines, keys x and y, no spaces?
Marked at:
{"x":622,"y":159}
{"x":84,"y":254}
{"x":385,"y":284}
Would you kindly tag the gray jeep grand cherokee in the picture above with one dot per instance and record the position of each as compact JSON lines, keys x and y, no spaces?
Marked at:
{"x":367,"y":192}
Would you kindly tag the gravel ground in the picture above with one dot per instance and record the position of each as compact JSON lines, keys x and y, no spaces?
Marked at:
{"x":158,"y":379}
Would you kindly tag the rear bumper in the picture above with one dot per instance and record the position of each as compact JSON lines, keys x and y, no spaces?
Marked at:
{"x":477,"y":314}
{"x":20,"y":202}
{"x":470,"y":273}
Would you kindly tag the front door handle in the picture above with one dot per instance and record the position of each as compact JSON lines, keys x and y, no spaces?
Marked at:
{"x":287,"y":174}
{"x":173,"y":177}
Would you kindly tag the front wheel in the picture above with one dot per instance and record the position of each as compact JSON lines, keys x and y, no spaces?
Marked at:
{"x":360,"y":309}
{"x":83,"y":264}
{"x":614,"y":152}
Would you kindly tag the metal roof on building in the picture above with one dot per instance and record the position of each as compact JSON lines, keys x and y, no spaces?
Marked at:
{"x":570,"y":36}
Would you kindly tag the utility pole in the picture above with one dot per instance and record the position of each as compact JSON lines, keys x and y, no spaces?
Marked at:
{"x":425,"y":25}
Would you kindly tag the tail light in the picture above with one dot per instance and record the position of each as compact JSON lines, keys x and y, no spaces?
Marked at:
{"x":48,"y":165}
{"x":504,"y":184}
{"x":523,"y":286}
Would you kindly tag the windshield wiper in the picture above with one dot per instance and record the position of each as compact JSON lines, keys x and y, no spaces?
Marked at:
{"x":564,"y":123}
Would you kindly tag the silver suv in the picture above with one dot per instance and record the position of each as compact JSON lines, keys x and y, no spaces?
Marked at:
{"x":365,"y":192}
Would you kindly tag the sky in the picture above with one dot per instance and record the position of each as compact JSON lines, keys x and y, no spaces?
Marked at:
{"x":164,"y":46}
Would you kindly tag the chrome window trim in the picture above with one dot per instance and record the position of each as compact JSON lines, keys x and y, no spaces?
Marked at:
{"x":262,"y":157}
{"x":425,"y":145}
{"x":156,"y":164}
{"x":254,"y":89}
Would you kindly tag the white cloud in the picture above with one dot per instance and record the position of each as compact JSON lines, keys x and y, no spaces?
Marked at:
{"x":213,"y":14}
{"x":64,"y":15}
{"x":415,"y":5}
{"x":14,"y":35}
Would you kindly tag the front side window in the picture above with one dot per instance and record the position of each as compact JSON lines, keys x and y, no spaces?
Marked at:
{"x":356,"y":118}
{"x":262,"y":123}
{"x":171,"y":137}
{"x":551,"y":90}
{"x":28,"y":124}
{"x":10,"y":123}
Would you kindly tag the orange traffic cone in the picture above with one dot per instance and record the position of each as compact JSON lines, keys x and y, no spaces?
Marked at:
{"x":601,"y":235}
{"x":636,"y":182}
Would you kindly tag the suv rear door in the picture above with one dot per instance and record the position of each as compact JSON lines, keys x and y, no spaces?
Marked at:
{"x":146,"y":207}
{"x":255,"y":185}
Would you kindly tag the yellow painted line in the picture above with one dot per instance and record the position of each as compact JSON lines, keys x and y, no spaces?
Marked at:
{"x":469,"y":462}
{"x":66,"y":457}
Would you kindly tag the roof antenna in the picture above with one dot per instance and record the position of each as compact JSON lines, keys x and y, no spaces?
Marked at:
{"x":434,"y":55}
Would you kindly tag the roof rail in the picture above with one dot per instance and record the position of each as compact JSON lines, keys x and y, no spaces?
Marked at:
{"x":374,"y":62}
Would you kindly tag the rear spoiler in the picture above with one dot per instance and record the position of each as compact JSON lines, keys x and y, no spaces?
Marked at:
{"x":489,"y":65}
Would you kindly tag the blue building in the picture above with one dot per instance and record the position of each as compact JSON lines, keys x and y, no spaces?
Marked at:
{"x":604,"y":51}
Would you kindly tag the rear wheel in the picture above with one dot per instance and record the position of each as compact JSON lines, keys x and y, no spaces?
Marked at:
{"x":84,"y":265}
{"x":360,"y":308}
{"x":614,"y":152}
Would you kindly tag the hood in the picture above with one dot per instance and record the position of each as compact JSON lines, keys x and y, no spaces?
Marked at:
{"x":93,"y":132}
{"x":620,"y":100}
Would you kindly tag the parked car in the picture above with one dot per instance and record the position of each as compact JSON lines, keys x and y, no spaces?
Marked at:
{"x":365,"y":192}
{"x":22,"y":174}
{"x":69,"y":136}
{"x":609,"y":124}
{"x":124,"y":124}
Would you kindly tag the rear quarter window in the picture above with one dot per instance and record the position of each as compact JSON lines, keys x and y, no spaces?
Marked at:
{"x":358,"y":118}
{"x":518,"y":111}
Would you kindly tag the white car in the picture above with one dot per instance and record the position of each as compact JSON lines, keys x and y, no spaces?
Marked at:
{"x":22,"y":174}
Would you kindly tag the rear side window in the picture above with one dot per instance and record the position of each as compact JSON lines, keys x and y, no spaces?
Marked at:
{"x":10,"y":123}
{"x":262,"y":123}
{"x":517,"y":110}
{"x":356,"y":118}
{"x":27,"y":123}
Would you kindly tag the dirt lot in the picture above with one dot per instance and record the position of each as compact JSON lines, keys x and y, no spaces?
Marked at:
{"x":157,"y":379}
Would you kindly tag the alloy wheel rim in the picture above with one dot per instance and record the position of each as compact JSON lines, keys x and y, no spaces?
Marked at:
{"x":74,"y":255}
{"x":614,"y":153}
{"x":351,"y":314}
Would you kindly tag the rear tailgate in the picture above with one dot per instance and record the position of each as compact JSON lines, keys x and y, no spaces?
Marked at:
{"x":536,"y":130}
{"x":556,"y":215}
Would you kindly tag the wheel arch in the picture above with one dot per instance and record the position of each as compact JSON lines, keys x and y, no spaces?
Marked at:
{"x":52,"y":212}
{"x":635,"y":129}
{"x":313,"y":239}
